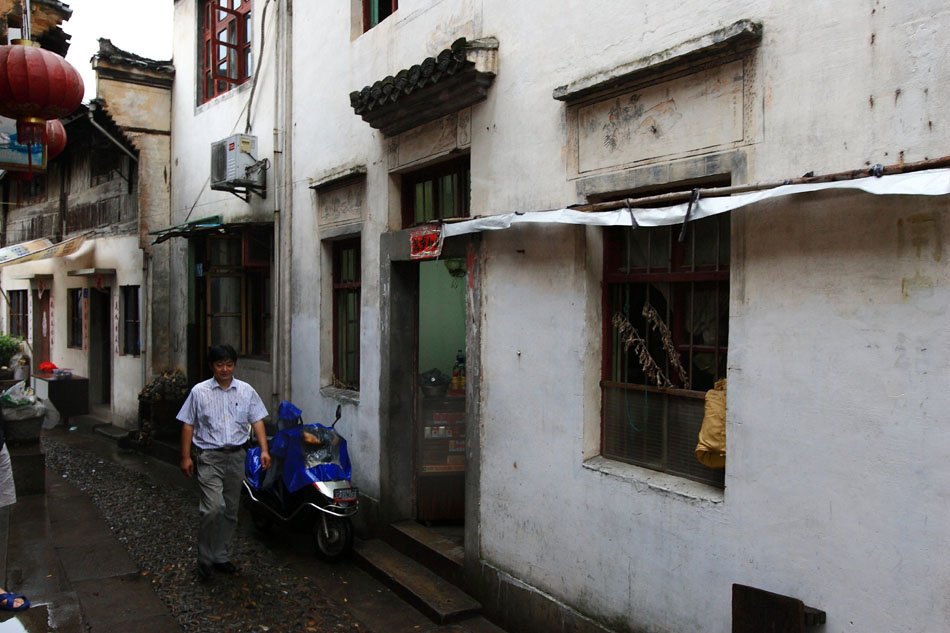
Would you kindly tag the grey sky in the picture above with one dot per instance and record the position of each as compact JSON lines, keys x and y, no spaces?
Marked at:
{"x":143,"y":27}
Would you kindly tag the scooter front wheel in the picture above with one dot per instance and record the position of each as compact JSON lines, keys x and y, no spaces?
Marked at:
{"x":332,"y":537}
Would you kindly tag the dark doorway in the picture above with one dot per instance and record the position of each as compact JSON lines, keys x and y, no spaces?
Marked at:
{"x":100,"y":345}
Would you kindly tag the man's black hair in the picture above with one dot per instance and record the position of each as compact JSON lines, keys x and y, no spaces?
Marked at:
{"x":221,"y":352}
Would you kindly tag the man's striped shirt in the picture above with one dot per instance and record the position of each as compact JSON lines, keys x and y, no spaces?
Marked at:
{"x":221,"y":417}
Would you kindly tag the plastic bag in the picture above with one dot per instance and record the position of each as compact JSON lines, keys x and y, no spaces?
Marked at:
{"x":52,"y":414}
{"x":711,"y":449}
{"x":23,"y":412}
{"x":18,"y":394}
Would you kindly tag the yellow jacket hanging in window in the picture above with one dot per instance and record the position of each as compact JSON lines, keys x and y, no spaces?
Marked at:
{"x":711,"y":450}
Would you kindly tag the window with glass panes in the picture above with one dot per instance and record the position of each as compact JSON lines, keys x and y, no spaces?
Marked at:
{"x":74,"y":308}
{"x":346,"y":313}
{"x":18,"y":313}
{"x":131,"y":344}
{"x":226,"y":31}
{"x":239,"y":292}
{"x":437,"y":193}
{"x":666,"y":329}
{"x":375,"y":11}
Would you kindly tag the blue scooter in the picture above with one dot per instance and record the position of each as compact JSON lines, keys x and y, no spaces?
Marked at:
{"x":307,"y":487}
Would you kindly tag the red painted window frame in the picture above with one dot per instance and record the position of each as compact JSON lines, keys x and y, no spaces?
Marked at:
{"x":345,"y":286}
{"x":679,"y":277}
{"x":213,"y":19}
{"x":461,"y":169}
{"x":385,"y":6}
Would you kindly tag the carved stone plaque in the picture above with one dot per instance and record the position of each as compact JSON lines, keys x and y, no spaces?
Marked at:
{"x":342,"y":204}
{"x":700,"y":111}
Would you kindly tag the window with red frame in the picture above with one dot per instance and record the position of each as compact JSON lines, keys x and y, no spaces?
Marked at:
{"x":437,"y":193}
{"x":346,"y":313}
{"x":226,"y":45}
{"x":666,"y":330}
{"x":375,"y":11}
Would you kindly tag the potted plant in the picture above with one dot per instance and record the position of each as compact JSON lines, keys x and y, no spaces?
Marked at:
{"x":9,"y":346}
{"x":159,"y":403}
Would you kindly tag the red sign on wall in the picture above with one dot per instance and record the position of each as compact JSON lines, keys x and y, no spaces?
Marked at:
{"x":425,"y":243}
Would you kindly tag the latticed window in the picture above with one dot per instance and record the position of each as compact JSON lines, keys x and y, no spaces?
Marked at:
{"x":74,"y":306}
{"x":131,"y":343}
{"x":346,"y":313}
{"x":666,"y":328}
{"x":375,"y":11}
{"x":239,"y":290}
{"x":226,"y":45}
{"x":18,"y":313}
{"x":437,"y":193}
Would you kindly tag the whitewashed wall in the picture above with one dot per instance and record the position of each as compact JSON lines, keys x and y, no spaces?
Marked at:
{"x":121,"y":254}
{"x":195,"y":126}
{"x":837,"y":329}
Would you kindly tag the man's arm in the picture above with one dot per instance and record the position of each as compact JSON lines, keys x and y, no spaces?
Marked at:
{"x":187,"y":465}
{"x":260,"y":433}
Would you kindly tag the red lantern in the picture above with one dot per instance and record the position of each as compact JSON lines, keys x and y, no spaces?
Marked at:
{"x":54,"y":139}
{"x":36,"y":85}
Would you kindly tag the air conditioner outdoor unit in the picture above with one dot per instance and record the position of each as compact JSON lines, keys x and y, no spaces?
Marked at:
{"x":233,"y":163}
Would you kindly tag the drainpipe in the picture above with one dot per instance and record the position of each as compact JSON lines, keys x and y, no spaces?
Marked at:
{"x":92,"y":108}
{"x":283,"y":199}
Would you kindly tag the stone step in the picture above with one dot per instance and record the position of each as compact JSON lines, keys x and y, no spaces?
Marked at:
{"x":111,"y":431}
{"x":434,"y":596}
{"x":440,"y":554}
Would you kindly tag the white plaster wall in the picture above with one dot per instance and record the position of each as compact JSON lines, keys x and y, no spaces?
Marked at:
{"x":195,"y":127}
{"x":834,"y":478}
{"x":120,"y":253}
{"x":834,"y":484}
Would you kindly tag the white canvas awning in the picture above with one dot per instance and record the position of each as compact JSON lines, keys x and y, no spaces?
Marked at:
{"x":933,"y":182}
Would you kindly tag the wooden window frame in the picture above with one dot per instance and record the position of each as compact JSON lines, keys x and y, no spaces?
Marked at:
{"x":375,"y":11}
{"x":74,"y":307}
{"x":131,"y":321}
{"x":19,"y":313}
{"x":347,"y":278}
{"x":256,"y":288}
{"x":235,"y":21}
{"x":642,"y":423}
{"x":461,"y":200}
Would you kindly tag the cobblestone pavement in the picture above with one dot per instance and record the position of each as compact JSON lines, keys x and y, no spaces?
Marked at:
{"x":158,"y":525}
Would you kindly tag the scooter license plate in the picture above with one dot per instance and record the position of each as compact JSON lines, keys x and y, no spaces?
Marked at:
{"x":346,"y":494}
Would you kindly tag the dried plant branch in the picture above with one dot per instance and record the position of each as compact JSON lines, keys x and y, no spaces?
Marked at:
{"x":631,"y":338}
{"x":653,"y":318}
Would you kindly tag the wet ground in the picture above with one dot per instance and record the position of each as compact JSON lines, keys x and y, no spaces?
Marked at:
{"x":119,"y":522}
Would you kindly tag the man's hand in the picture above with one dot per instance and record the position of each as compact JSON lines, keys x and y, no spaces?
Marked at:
{"x":261,"y":435}
{"x":188,"y":466}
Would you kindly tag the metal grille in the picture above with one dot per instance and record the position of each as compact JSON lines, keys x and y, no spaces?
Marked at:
{"x":666,"y":339}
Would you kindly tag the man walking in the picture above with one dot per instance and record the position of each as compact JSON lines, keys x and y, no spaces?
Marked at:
{"x":216,"y":419}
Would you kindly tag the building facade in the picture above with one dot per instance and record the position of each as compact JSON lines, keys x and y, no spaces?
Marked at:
{"x":542,"y":386}
{"x":81,"y":305}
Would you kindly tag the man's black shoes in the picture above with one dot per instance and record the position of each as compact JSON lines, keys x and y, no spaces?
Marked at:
{"x":205,"y":569}
{"x":227,"y":567}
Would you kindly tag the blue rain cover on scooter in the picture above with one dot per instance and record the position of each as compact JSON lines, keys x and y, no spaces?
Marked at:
{"x":309,"y":453}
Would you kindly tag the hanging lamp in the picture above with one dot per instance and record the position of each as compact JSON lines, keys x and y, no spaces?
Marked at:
{"x":36,"y":85}
{"x":54,"y":139}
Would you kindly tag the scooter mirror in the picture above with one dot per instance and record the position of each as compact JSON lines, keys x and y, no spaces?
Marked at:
{"x":339,"y":412}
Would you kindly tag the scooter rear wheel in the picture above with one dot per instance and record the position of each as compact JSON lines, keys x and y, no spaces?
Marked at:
{"x":262,"y":521}
{"x":335,"y":541}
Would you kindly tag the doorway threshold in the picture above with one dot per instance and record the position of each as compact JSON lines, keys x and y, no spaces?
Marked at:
{"x":438,"y":547}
